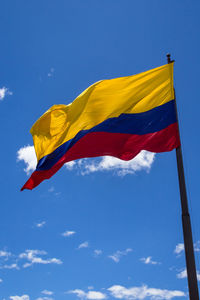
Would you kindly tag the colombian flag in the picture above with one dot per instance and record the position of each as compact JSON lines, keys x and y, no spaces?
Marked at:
{"x":117,"y":117}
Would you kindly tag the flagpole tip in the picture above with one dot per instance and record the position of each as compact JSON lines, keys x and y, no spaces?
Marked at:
{"x":168,"y":58}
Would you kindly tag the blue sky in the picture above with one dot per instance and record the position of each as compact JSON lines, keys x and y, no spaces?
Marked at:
{"x":100,"y":228}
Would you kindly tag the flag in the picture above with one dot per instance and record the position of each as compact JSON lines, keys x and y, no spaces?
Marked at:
{"x":117,"y":117}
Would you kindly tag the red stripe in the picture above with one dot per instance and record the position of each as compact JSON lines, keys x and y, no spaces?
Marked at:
{"x":120,"y":145}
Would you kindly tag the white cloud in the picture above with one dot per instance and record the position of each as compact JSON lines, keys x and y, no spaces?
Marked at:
{"x":121,"y":292}
{"x":148,"y":260}
{"x":97,"y":252}
{"x":182,"y":274}
{"x":10,"y":267}
{"x":5,"y":257}
{"x":88,"y":295}
{"x":83,"y":245}
{"x":132,"y":293}
{"x":27,"y":154}
{"x":39,"y":225}
{"x":95,"y":295}
{"x":70,"y":165}
{"x":47,"y":292}
{"x":118,"y":254}
{"x":4,"y":254}
{"x":45,"y":298}
{"x":143,"y":161}
{"x":3,"y":92}
{"x":179,"y":248}
{"x":68,"y":233}
{"x":33,"y":258}
{"x":24,"y":297}
{"x":197,"y":246}
{"x":78,"y":292}
{"x":1,"y":280}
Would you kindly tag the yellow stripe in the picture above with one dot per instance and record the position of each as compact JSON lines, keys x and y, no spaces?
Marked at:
{"x":102,"y":100}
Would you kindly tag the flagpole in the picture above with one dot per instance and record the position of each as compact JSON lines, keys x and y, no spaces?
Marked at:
{"x":186,"y":223}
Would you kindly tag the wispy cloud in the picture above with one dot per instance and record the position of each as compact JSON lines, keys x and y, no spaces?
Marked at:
{"x":88,"y":295}
{"x":41,"y":224}
{"x":51,"y":72}
{"x":26,"y":259}
{"x":8,"y":260}
{"x":4,"y":254}
{"x":68,"y":233}
{"x":118,"y":254}
{"x":179,"y":248}
{"x":32,"y":256}
{"x":197,"y":246}
{"x":51,"y":189}
{"x":83,"y":245}
{"x":143,"y":161}
{"x":4,"y":92}
{"x":97,"y":252}
{"x":182,"y":274}
{"x":132,"y":293}
{"x":148,"y":261}
{"x":24,"y":297}
{"x":143,"y":292}
{"x":10,"y":267}
{"x":45,"y":298}
{"x":27,"y":154}
{"x":70,"y":165}
{"x":47,"y":292}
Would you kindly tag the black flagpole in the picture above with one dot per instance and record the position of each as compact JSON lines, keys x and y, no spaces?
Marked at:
{"x":186,"y":223}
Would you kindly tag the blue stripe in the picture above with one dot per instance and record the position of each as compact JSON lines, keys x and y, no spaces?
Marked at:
{"x":151,"y":121}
